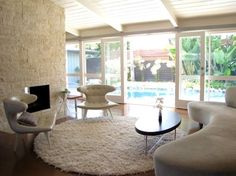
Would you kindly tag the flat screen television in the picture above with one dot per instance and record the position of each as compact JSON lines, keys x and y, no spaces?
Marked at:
{"x":43,"y":101}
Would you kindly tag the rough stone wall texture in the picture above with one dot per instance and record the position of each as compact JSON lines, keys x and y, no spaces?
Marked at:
{"x":32,"y":49}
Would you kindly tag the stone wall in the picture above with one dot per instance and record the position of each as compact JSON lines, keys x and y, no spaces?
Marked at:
{"x":32,"y":48}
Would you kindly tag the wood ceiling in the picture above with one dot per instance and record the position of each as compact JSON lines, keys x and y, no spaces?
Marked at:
{"x":82,"y":15}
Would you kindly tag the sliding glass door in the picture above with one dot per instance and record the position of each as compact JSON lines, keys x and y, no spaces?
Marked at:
{"x":112,"y":71}
{"x":206,"y":66}
{"x":190,"y":68}
{"x":92,"y":62}
{"x":220,"y":64}
{"x":73,"y":69}
{"x":102,"y":64}
{"x":151,"y":69}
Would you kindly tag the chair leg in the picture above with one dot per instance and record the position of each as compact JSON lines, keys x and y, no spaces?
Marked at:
{"x":16,"y":141}
{"x":48,"y":139}
{"x":110,"y":112}
{"x":76,"y":108}
{"x":105,"y":112}
{"x":200,"y":125}
{"x":84,"y":112}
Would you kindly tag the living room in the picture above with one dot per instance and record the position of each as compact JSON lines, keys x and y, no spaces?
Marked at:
{"x":34,"y":35}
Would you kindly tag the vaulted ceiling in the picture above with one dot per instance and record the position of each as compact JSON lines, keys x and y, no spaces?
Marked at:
{"x":84,"y":15}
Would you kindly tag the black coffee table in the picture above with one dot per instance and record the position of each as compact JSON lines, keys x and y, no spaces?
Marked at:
{"x":150,"y":126}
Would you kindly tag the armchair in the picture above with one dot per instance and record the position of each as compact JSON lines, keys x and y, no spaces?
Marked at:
{"x":96,"y":98}
{"x":15,"y":108}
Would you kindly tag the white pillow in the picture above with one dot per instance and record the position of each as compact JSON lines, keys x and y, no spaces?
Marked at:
{"x":27,"y":119}
{"x":230,"y":97}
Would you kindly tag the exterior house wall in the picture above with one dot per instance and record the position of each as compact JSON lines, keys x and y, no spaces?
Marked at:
{"x":32,"y":42}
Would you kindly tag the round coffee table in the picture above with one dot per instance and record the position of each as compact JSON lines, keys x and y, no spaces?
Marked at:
{"x":151,"y":126}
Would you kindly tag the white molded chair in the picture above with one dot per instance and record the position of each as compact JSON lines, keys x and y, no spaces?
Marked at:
{"x":15,"y":107}
{"x":96,"y":98}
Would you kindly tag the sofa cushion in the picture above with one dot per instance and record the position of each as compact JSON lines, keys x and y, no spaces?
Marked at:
{"x":230,"y":97}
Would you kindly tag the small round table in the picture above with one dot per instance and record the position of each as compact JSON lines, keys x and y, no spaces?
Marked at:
{"x":75,"y":98}
{"x":151,"y":126}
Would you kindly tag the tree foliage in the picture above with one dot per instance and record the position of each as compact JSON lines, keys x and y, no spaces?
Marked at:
{"x":223,"y":55}
{"x":190,"y":55}
{"x":221,"y":50}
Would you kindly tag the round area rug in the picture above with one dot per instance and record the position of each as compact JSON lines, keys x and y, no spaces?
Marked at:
{"x":98,"y":147}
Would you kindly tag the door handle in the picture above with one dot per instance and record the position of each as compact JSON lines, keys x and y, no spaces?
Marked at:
{"x":202,"y":71}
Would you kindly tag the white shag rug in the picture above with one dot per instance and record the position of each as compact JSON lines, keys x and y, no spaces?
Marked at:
{"x":98,"y":147}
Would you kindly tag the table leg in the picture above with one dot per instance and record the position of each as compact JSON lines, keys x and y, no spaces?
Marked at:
{"x":156,"y":143}
{"x":75,"y":108}
{"x":175,"y":135}
{"x":146,"y":145}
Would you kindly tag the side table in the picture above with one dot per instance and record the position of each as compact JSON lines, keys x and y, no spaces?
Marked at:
{"x":75,"y":98}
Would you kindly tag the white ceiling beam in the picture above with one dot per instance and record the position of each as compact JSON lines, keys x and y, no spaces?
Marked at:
{"x":169,"y":11}
{"x":72,"y":30}
{"x":92,"y":8}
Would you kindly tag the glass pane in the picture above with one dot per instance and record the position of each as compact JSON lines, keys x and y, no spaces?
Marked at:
{"x":215,"y":89}
{"x":190,"y":55}
{"x":221,"y":65}
{"x":151,"y":68}
{"x":147,"y":94}
{"x":190,"y":89}
{"x":73,"y":67}
{"x":73,"y":83}
{"x":112,"y":66}
{"x":223,"y":54}
{"x":93,"y":81}
{"x":190,"y":62}
{"x":93,"y":57}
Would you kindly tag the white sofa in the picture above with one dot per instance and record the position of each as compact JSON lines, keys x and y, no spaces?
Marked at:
{"x":208,"y":152}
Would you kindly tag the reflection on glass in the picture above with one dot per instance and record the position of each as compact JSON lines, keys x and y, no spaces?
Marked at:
{"x":93,"y":57}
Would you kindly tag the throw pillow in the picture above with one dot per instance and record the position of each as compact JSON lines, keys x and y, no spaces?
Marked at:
{"x":27,"y":119}
{"x":230,"y":97}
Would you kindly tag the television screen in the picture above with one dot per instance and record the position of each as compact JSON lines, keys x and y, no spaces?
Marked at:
{"x":43,"y":101}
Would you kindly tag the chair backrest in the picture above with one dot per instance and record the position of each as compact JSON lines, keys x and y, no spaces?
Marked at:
{"x":96,"y":93}
{"x":26,"y":98}
{"x":16,"y":105}
{"x":230,"y":97}
{"x":12,"y":109}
